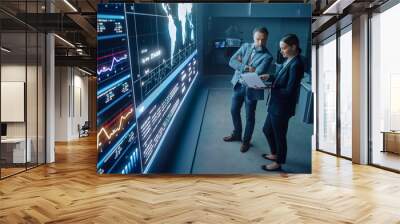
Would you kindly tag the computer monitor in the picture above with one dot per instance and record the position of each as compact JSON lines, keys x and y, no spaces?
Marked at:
{"x":3,"y":129}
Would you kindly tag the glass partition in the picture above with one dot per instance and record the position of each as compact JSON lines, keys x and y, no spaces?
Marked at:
{"x":13,"y":104}
{"x":31,"y":98}
{"x":22,"y":101}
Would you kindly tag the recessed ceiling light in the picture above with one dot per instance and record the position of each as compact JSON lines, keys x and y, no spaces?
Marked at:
{"x":84,"y":71}
{"x":64,"y":40}
{"x":335,"y":7}
{"x":5,"y":50}
{"x":70,"y":5}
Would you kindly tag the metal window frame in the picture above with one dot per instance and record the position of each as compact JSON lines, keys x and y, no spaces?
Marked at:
{"x":388,"y":5}
{"x":338,"y":33}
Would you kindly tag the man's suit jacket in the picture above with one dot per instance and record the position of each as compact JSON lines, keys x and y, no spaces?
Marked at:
{"x":261,"y":61}
{"x":285,"y":88}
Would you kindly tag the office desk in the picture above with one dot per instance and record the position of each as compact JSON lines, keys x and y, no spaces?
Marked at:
{"x":391,"y":141}
{"x":13,"y":150}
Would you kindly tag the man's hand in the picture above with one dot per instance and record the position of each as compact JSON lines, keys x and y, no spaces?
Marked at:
{"x":239,"y":59}
{"x":264,"y":77}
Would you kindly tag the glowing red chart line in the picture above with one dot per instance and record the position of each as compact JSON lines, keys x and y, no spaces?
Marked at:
{"x":115,"y":130}
{"x":112,"y":54}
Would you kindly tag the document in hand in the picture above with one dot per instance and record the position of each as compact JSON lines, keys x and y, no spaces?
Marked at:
{"x":252,"y":80}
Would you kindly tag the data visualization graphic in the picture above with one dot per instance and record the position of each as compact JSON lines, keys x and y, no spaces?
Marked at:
{"x":146,"y":66}
{"x":117,"y":138}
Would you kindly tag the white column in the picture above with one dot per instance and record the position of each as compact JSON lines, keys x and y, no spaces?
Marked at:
{"x":50,"y":109}
{"x":360,"y":90}
{"x":50,"y":92}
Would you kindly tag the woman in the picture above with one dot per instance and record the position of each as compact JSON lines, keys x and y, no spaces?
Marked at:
{"x":282,"y":104}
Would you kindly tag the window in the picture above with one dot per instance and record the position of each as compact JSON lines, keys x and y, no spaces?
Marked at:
{"x":385,"y":89}
{"x":327,"y":95}
{"x":346,"y":92}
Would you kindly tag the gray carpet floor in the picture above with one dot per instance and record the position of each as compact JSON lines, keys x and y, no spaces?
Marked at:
{"x":214,"y":156}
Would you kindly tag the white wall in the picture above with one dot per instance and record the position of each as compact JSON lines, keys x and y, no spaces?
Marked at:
{"x":71,"y":93}
{"x":61,"y":104}
{"x":81,"y":84}
{"x":13,"y":73}
{"x":16,"y":73}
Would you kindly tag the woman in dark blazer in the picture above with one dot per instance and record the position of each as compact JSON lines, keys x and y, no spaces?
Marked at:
{"x":282,"y":104}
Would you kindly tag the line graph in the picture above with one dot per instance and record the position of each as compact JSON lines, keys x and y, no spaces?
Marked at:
{"x":109,"y":135}
{"x":114,"y":61}
{"x":141,"y":59}
{"x":117,"y":136}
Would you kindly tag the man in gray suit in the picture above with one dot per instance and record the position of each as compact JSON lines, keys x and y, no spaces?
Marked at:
{"x":251,"y":57}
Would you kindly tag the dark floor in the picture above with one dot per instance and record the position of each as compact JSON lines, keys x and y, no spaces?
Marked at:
{"x":213,"y":155}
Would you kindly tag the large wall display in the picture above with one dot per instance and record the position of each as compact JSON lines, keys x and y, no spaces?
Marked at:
{"x":146,"y":65}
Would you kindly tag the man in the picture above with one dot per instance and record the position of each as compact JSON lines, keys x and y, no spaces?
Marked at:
{"x":256,"y":58}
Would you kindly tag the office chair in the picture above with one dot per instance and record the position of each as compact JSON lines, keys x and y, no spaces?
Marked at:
{"x":84,"y":130}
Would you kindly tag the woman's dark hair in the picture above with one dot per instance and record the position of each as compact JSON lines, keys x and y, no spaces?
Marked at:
{"x":292,"y":39}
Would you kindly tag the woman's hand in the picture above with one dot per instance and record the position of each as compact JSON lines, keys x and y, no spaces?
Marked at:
{"x":264,"y":77}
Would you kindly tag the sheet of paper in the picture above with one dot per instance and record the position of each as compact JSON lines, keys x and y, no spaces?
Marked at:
{"x":252,"y":80}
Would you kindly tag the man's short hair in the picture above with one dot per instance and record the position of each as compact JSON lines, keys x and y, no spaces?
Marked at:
{"x":263,"y":30}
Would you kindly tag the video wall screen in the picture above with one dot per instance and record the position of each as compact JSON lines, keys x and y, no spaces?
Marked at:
{"x":157,"y":114}
{"x":146,"y":66}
